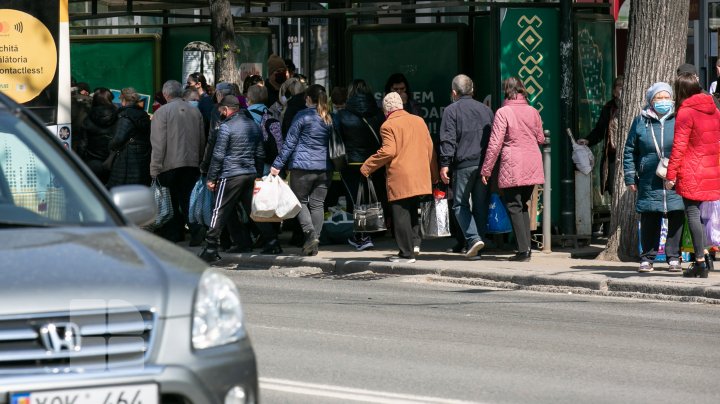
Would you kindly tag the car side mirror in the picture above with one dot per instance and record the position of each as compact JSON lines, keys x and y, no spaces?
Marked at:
{"x":136,"y":202}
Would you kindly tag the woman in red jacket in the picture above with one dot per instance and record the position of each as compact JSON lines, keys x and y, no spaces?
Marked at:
{"x":694,"y":168}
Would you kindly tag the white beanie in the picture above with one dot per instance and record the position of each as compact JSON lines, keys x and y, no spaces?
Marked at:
{"x":392,"y":102}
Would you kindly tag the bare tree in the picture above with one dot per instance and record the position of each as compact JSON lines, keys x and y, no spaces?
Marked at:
{"x":222,"y":34}
{"x":656,"y":47}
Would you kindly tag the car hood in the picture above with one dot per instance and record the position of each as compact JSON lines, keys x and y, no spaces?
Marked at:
{"x":68,"y":269}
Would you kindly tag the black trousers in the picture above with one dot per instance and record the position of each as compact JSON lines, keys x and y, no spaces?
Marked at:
{"x":516,"y":201}
{"x":650,"y":224}
{"x":406,"y":225}
{"x":231,"y":192}
{"x":180,"y":181}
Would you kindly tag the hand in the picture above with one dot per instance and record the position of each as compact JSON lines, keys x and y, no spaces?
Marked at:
{"x":632,"y":187}
{"x":211,"y":185}
{"x":274,"y":171}
{"x":669,"y":184}
{"x":484,"y":179}
{"x":444,"y":175}
{"x":582,"y":142}
{"x":364,"y":171}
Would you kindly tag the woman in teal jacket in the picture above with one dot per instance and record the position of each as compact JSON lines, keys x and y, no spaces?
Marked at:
{"x":654,"y":126}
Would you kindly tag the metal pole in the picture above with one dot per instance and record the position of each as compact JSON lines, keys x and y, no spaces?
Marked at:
{"x":567,"y":172}
{"x":547,"y":210}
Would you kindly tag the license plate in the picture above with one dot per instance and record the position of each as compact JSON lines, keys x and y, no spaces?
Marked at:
{"x":132,"y":394}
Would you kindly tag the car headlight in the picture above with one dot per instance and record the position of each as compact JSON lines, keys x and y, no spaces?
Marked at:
{"x":217,"y":318}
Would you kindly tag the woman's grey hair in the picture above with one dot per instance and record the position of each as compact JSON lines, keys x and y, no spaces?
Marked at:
{"x":293,"y":86}
{"x":257,"y":94}
{"x":172,"y":89}
{"x":462,"y":85}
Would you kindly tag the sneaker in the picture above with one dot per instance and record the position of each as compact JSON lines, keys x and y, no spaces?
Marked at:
{"x":674,"y":266}
{"x":363,"y":244}
{"x":209,"y":255}
{"x":645,"y":267}
{"x":475,"y":248}
{"x":402,"y":260}
{"x":416,"y":250}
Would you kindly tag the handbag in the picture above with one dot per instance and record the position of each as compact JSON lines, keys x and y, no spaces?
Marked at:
{"x":368,"y":217}
{"x":661,"y":170}
{"x":336,"y":150}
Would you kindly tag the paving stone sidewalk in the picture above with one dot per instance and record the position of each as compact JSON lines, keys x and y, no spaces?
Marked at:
{"x":557,"y":269}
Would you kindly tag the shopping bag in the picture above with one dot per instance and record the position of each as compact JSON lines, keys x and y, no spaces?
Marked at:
{"x":201,"y":203}
{"x":338,"y":226}
{"x":435,"y":218}
{"x":163,"y":202}
{"x":288,"y":204}
{"x":710,"y":215}
{"x":266,"y":195}
{"x":368,"y":216}
{"x":498,"y":219}
{"x":686,"y":244}
{"x":336,"y":150}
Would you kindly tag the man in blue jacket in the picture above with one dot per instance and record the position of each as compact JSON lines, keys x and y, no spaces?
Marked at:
{"x":464,"y":136}
{"x":237,"y":160}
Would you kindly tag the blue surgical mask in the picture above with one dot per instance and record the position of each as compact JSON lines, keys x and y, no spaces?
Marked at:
{"x":193,"y":103}
{"x":662,"y":107}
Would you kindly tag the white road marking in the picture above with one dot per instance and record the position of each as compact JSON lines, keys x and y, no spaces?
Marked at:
{"x":348,"y":393}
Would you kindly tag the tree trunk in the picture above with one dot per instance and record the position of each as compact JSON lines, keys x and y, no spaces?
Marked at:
{"x":656,"y":47}
{"x":222,"y":34}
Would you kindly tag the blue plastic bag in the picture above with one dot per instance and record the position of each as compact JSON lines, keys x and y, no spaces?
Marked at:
{"x":498,"y":219}
{"x":201,"y":203}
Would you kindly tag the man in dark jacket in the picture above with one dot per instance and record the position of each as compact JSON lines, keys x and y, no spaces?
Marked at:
{"x":237,"y":159}
{"x":464,"y":136}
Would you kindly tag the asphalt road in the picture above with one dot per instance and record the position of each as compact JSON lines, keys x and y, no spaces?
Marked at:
{"x":365,"y":338}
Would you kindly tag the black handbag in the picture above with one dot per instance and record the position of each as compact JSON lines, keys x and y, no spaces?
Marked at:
{"x":368,"y":217}
{"x":336,"y":150}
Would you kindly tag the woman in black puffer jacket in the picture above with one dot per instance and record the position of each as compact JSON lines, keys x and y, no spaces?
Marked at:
{"x":359,"y":125}
{"x":131,"y":143}
{"x":99,"y":127}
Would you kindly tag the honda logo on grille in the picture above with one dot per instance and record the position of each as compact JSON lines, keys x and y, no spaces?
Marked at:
{"x":58,"y":337}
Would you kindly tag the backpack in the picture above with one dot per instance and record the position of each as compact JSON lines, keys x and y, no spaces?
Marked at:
{"x":272,"y":135}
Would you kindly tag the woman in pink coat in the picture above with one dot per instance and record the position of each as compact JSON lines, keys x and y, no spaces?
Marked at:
{"x":516,"y":136}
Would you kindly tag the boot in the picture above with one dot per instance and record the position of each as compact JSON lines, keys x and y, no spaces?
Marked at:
{"x":210,"y":253}
{"x":702,"y":269}
{"x":709,"y":262}
{"x":691,"y":272}
{"x":311,"y":243}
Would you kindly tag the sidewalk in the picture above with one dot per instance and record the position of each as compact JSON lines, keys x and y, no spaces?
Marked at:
{"x":556,"y":269}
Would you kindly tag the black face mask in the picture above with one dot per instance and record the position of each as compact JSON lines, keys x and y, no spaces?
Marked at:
{"x":280,"y":78}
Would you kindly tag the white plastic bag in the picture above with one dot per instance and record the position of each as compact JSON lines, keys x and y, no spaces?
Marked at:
{"x":266,"y":196}
{"x":710,"y":215}
{"x":288,"y":205}
{"x":583,"y":158}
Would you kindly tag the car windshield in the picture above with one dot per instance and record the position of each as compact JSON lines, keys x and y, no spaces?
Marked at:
{"x":39,"y":186}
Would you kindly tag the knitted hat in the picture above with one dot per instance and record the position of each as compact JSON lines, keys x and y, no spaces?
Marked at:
{"x":656,"y":88}
{"x":275,"y":62}
{"x":686,"y":68}
{"x":392,"y":102}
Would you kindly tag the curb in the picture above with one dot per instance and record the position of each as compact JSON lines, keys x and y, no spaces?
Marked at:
{"x":524,"y":278}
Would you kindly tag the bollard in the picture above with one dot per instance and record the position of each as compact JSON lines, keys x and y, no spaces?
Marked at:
{"x":546,"y":214}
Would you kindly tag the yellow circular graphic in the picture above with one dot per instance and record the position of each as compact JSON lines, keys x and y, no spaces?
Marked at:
{"x":28,"y":56}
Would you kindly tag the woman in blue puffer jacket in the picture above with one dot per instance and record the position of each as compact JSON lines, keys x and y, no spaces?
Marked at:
{"x":305,"y":154}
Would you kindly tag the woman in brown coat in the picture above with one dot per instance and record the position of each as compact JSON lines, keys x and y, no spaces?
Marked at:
{"x":407,"y":152}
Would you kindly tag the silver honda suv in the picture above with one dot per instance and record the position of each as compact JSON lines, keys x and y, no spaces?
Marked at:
{"x":94,"y":309}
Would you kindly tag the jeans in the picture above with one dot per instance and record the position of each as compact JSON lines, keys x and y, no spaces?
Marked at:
{"x":516,"y":201}
{"x":311,"y":188}
{"x":650,"y":224}
{"x":697,"y":229}
{"x":470,"y":203}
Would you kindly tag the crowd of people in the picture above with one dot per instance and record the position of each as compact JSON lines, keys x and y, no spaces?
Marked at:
{"x":671,"y":159}
{"x":231,"y":135}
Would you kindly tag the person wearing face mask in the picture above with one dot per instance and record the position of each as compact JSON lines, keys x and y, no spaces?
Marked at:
{"x":205,"y":102}
{"x":192,"y":96}
{"x":277,"y":75}
{"x":604,"y":131}
{"x":130,"y":143}
{"x":694,"y":169}
{"x":650,"y":140}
